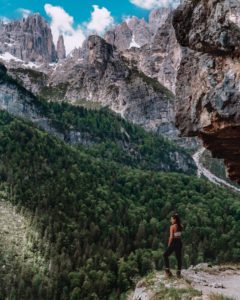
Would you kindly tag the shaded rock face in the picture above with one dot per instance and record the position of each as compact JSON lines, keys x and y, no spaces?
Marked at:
{"x":98,"y":73}
{"x":33,"y":80}
{"x":120,"y":37}
{"x":208,"y":81}
{"x":29,"y":39}
{"x":21,"y":103}
{"x":209,"y":26}
{"x":162,"y":59}
{"x":61,"y":51}
{"x":157,"y":18}
{"x":152,"y":47}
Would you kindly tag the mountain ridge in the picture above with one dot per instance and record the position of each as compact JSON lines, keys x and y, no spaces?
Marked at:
{"x":133,"y":90}
{"x":68,"y":123}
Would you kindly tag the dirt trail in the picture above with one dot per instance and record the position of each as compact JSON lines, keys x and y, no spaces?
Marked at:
{"x":223,"y":280}
{"x":210,"y":176}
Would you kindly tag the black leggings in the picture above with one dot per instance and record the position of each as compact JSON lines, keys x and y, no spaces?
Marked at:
{"x":175,"y":246}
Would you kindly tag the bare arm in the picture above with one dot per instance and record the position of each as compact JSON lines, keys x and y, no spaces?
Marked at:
{"x":171,"y":235}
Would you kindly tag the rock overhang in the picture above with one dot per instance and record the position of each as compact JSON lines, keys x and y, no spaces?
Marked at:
{"x":208,"y":80}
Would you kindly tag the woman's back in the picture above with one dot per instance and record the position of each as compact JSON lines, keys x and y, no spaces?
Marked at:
{"x":177,"y":232}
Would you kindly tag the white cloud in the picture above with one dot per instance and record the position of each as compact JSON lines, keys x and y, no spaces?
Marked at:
{"x":151,"y":4}
{"x":24,"y":12}
{"x":127,"y":19}
{"x":101,"y":19}
{"x":62,"y":23}
{"x":5,"y":20}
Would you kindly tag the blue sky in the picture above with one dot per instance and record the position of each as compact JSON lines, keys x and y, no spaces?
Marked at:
{"x":75,"y":19}
{"x":80,"y":9}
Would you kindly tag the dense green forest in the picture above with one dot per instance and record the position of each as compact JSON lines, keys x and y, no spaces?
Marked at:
{"x":99,"y":223}
{"x":108,"y":136}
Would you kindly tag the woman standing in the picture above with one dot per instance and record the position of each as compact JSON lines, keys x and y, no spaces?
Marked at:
{"x":174,"y":245}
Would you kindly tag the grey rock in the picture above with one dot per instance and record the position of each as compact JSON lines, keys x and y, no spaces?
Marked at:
{"x":141,"y":32}
{"x":61,"y":51}
{"x":98,"y":73}
{"x":208,"y":89}
{"x":21,"y":103}
{"x":152,"y":47}
{"x":29,"y":39}
{"x":33,"y":80}
{"x":211,"y":26}
{"x":129,"y":81}
{"x":157,"y":18}
{"x":120,"y":36}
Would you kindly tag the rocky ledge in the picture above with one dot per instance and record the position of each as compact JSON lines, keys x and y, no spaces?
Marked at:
{"x":200,"y":282}
{"x":208,"y":80}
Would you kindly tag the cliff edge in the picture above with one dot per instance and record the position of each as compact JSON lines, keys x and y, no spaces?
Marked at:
{"x":208,"y":85}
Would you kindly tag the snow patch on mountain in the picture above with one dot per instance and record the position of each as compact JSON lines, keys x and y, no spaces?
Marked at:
{"x":134,"y":43}
{"x":8,"y":57}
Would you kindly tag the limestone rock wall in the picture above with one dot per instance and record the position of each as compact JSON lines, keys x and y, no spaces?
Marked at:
{"x":29,"y":39}
{"x":208,"y":80}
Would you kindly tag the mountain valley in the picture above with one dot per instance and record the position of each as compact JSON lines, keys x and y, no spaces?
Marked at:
{"x":101,"y":145}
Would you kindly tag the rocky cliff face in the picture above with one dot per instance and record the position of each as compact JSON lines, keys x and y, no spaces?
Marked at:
{"x":199,"y":282}
{"x":61,"y":51}
{"x":208,"y":85}
{"x":18,"y":101}
{"x":29,"y":39}
{"x":98,"y":73}
{"x":135,"y":32}
{"x":152,"y":47}
{"x":130,"y":82}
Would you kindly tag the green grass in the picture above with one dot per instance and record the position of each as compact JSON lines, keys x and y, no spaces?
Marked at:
{"x":88,"y":104}
{"x":56,"y":92}
{"x":36,"y":76}
{"x":177,"y":294}
{"x":219,"y":297}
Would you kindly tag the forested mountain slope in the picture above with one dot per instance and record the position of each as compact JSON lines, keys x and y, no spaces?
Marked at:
{"x":104,"y":133}
{"x":100,"y":223}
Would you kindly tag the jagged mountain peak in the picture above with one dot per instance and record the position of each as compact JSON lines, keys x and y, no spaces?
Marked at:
{"x":61,"y":50}
{"x":95,"y":51}
{"x":100,"y":72}
{"x":29,"y":39}
{"x":137,"y":31}
{"x":151,"y":46}
{"x":98,"y":45}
